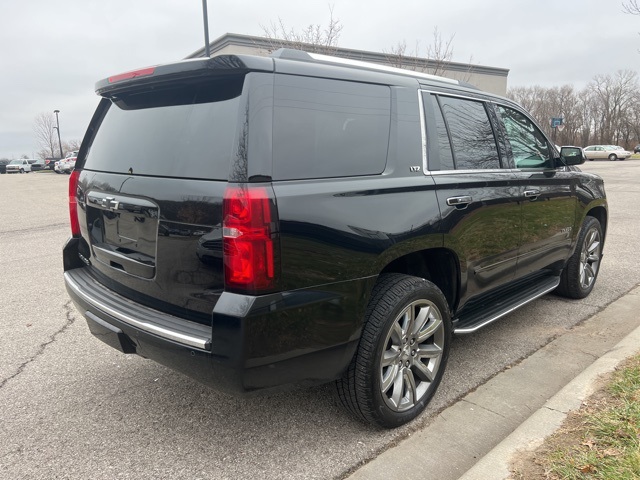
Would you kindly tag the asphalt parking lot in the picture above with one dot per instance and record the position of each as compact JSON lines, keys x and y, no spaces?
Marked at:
{"x":71,"y":407}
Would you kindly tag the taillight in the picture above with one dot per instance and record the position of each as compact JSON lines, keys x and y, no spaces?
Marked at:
{"x":249,"y":239}
{"x":73,"y":203}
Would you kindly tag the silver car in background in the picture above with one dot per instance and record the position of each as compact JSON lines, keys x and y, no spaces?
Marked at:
{"x":610,"y":152}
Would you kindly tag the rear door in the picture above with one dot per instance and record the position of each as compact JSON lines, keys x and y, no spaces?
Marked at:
{"x":477,"y":197}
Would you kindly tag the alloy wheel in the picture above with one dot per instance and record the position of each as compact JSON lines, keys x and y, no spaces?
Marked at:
{"x":412,"y":355}
{"x":590,"y":258}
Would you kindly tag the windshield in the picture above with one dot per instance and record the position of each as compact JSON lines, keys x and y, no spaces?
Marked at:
{"x":15,"y":162}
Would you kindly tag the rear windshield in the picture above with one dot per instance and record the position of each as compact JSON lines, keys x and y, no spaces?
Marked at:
{"x":185,"y":131}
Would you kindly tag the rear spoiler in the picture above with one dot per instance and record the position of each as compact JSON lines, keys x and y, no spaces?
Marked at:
{"x":217,"y":66}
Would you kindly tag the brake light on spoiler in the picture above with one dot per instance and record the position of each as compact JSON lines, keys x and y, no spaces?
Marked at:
{"x":143,"y":72}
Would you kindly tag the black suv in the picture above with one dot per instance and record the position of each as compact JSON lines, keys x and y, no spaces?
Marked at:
{"x":264,"y":222}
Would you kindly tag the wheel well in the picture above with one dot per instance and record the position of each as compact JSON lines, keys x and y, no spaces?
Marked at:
{"x":600,"y":214}
{"x":437,"y":265}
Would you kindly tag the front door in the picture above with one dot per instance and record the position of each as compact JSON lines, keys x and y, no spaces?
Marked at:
{"x":547,"y":195}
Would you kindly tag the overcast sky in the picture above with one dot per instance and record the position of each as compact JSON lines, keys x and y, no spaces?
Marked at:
{"x":53,"y":52}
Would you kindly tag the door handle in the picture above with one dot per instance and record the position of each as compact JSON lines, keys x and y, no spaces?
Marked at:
{"x":459,"y":202}
{"x":532,"y":194}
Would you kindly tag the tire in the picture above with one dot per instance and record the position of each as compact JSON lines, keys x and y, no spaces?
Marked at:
{"x":581,"y":271}
{"x":22,"y":170}
{"x":402,"y":353}
{"x":613,"y":157}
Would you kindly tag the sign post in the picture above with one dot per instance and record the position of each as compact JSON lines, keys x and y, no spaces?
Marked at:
{"x":557,"y":123}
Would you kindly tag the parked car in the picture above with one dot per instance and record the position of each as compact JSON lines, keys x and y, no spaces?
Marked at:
{"x":49,"y":163}
{"x":636,"y":149}
{"x":20,"y":165}
{"x":260,"y":223}
{"x":67,"y":165}
{"x":37,"y":165}
{"x":611,"y":152}
{"x":3,"y":166}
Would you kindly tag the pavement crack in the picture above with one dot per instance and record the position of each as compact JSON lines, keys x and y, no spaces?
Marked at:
{"x":590,"y":354}
{"x":555,"y":410}
{"x":484,"y":408}
{"x":30,"y":229}
{"x":43,"y":346}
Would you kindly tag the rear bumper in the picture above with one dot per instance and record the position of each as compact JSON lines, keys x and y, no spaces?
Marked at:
{"x":276,"y":341}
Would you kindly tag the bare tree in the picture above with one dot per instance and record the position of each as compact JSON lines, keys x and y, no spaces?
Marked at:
{"x":70,"y":145}
{"x":314,"y":38}
{"x":43,"y":126}
{"x":615,"y":93}
{"x":438,"y":56}
{"x":606,"y":111}
{"x":632,"y":7}
{"x":398,"y":56}
{"x":440,"y":52}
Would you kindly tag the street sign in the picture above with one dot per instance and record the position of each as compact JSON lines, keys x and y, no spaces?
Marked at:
{"x":556,"y":121}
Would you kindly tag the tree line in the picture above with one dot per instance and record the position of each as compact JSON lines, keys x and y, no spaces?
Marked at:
{"x":606,"y":111}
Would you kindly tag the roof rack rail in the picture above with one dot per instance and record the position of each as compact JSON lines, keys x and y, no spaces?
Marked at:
{"x":293,"y":54}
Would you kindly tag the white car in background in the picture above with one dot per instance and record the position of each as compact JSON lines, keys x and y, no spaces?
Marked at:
{"x":67,"y":164}
{"x":20,"y":165}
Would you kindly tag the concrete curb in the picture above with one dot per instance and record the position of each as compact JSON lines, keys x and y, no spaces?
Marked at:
{"x":477,"y":437}
{"x":544,"y":422}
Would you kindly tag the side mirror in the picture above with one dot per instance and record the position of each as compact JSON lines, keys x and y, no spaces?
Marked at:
{"x":572,"y":156}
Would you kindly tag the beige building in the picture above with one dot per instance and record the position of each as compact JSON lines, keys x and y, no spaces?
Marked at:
{"x":489,"y":79}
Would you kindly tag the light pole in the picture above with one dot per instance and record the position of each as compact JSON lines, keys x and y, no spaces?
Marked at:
{"x":205,"y":17}
{"x":58,"y":128}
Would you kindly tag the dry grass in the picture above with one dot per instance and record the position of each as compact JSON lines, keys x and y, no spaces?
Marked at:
{"x":600,"y":441}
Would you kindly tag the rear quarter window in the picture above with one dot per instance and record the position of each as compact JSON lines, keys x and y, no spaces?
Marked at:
{"x":329,"y":128}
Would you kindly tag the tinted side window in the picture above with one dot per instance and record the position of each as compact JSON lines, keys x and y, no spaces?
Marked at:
{"x":329,"y":128}
{"x":444,"y":146}
{"x":474,"y":144}
{"x":528,"y":145}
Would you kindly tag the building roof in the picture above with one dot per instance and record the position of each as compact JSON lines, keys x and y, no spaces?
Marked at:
{"x":267,"y":45}
{"x":488,"y":79}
